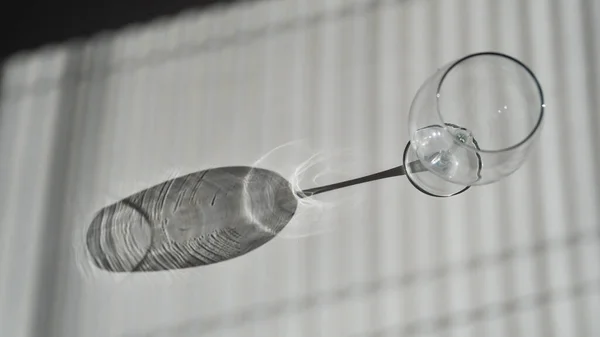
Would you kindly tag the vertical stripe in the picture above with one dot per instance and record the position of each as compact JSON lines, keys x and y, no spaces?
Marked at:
{"x":359,"y":77}
{"x":540,"y":160}
{"x":591,"y":45}
{"x":390,"y":140}
{"x":298,"y":109}
{"x":313,"y":48}
{"x":372,"y":125}
{"x":408,"y":220}
{"x":473,"y":213}
{"x":49,"y":304}
{"x":440,"y":231}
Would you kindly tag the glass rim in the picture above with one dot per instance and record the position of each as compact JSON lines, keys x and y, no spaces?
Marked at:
{"x":529,"y":136}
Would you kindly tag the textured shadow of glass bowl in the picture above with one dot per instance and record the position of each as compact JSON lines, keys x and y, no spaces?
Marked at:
{"x":198,"y":219}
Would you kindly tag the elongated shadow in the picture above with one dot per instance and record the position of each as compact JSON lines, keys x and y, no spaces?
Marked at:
{"x":202,"y":218}
{"x":198,"y":219}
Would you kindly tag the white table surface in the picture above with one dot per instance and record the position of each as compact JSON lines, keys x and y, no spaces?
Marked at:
{"x":90,"y":122}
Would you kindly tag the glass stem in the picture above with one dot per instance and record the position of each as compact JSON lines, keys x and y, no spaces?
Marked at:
{"x":415,"y":166}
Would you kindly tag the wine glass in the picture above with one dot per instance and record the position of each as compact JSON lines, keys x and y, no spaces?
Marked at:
{"x":471,"y":123}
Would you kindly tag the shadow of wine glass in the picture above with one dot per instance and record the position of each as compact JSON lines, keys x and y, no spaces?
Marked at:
{"x":198,"y":219}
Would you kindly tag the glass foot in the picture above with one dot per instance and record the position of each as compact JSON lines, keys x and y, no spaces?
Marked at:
{"x":424,"y":180}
